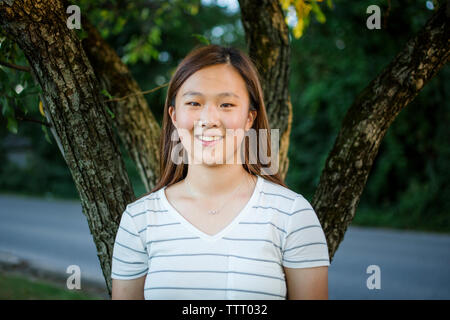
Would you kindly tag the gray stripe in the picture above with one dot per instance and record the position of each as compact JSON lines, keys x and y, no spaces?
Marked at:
{"x":272,"y":208}
{"x":252,"y":240}
{"x":158,"y":225}
{"x":276,"y":194}
{"x":306,"y":209}
{"x":144,"y":252}
{"x":129,"y":275}
{"x":128,"y":261}
{"x":129,"y":231}
{"x":126,"y":211}
{"x":134,"y":203}
{"x":306,"y":260}
{"x":212,"y":254}
{"x":140,"y":201}
{"x":148,"y":210}
{"x":264,"y":223}
{"x":254,"y":274}
{"x":185,"y":288}
{"x":304,"y":245}
{"x":311,"y":226}
{"x":186,"y":238}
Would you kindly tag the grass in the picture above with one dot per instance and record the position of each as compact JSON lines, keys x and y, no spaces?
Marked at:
{"x":19,"y":287}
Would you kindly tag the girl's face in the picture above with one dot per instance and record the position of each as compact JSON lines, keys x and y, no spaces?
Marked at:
{"x":213,"y":101}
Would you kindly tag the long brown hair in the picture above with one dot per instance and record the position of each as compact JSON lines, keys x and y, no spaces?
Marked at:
{"x":198,"y":58}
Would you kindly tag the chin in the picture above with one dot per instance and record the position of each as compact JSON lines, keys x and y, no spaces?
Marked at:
{"x":209,"y":161}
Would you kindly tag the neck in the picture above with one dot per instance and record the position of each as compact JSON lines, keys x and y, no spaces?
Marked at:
{"x":206,"y":182}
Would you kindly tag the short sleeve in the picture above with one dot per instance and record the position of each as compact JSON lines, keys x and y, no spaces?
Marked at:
{"x":130,"y":258}
{"x":304,"y":244}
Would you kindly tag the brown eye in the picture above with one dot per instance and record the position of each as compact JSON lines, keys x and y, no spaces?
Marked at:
{"x":230,"y":105}
{"x":189,"y":103}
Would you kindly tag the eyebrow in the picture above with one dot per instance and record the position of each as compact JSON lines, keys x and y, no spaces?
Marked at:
{"x":222,"y":94}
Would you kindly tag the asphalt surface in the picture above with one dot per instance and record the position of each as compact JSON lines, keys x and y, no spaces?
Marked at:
{"x":54,"y":234}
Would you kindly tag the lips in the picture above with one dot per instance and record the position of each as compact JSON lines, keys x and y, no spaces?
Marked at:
{"x":209,"y":140}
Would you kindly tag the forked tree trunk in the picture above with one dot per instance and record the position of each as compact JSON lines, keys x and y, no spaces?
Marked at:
{"x":77,"y":112}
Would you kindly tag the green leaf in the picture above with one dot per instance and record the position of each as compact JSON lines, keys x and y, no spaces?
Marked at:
{"x":7,"y":108}
{"x":82,"y":34}
{"x":330,"y":4}
{"x":201,"y":38}
{"x":4,"y":104}
{"x":318,"y":12}
{"x":110,"y":112}
{"x":47,"y":137}
{"x":106,"y":94}
{"x":12,"y":125}
{"x":154,"y":37}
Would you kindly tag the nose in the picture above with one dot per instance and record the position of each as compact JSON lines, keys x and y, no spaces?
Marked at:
{"x":209,"y":117}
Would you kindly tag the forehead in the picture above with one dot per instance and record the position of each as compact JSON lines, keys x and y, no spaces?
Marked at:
{"x":222,"y":80}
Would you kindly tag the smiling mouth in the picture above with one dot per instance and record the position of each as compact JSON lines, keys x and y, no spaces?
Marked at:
{"x":209,"y":139}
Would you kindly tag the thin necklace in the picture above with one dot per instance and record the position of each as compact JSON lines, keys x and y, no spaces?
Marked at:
{"x":216,"y":210}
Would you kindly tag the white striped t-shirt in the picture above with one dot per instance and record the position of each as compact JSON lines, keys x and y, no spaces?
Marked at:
{"x":277,"y":227}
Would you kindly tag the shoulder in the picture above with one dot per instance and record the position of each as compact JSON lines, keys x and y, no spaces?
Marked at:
{"x":143,"y":204}
{"x":278,"y":195}
{"x":292,"y":207}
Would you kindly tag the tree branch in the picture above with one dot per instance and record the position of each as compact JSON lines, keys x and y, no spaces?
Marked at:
{"x":27,"y":119}
{"x":348,"y":165}
{"x":137,"y":93}
{"x":15,"y":66}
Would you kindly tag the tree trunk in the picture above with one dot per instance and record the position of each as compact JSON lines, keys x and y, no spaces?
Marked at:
{"x":366,"y":122}
{"x":267,"y":37}
{"x":135,"y":123}
{"x":77,"y":112}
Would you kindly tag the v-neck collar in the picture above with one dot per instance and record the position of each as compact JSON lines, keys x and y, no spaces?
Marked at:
{"x":220,"y":234}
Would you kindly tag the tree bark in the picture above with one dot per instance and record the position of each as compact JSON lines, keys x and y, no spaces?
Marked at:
{"x":267,"y":37}
{"x":77,"y":112}
{"x":137,"y":127}
{"x":348,"y":165}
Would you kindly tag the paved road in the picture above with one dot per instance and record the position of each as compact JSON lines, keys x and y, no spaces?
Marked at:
{"x":413,"y":265}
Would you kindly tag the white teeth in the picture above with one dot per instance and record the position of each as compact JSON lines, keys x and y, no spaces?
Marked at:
{"x":204,"y":138}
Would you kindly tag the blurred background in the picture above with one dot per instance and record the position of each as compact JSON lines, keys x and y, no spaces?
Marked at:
{"x":407,"y":190}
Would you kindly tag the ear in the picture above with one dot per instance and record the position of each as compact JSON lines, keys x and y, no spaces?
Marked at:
{"x":172,"y":115}
{"x":251,"y":118}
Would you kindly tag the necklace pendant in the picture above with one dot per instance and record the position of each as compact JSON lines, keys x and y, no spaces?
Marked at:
{"x":212,"y":211}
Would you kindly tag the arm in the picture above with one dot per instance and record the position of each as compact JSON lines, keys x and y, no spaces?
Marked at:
{"x":128,"y":289}
{"x":307,"y":283}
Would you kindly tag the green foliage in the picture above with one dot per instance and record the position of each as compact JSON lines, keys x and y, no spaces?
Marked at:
{"x":302,"y":10}
{"x":137,"y":25}
{"x":333,"y":62}
{"x":17,"y":89}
